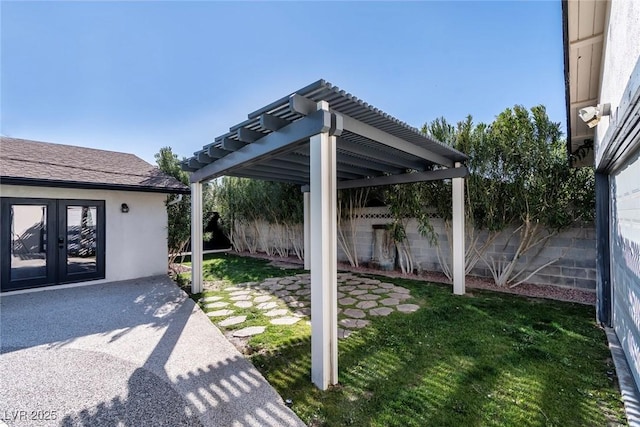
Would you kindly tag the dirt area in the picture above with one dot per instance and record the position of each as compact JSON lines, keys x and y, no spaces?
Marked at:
{"x":527,"y":289}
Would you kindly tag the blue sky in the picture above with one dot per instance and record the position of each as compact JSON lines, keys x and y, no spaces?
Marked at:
{"x":136,"y":76}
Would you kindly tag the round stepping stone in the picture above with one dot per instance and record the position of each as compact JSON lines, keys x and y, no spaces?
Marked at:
{"x":358,"y":292}
{"x":386,"y":285}
{"x":281,"y":293}
{"x":355,"y":313}
{"x":262,"y":298}
{"x":235,"y":320}
{"x":293,"y":287}
{"x":296,"y":304}
{"x":379,"y":290}
{"x":236,"y":293}
{"x":339,"y":295}
{"x":218,"y":304}
{"x":241,"y":298}
{"x":401,"y":290}
{"x":354,"y":323}
{"x":353,"y":282}
{"x":344,"y":333}
{"x":347,"y":288}
{"x":398,"y":296}
{"x":366,"y":304}
{"x":219,"y":313}
{"x":303,"y":312}
{"x":389,"y":301}
{"x":303,"y":275}
{"x":210,"y":299}
{"x":248,"y":332}
{"x":367,"y":287}
{"x":370,"y":281}
{"x":347,"y":301}
{"x":277,"y":312}
{"x":285,"y":320}
{"x":286,"y":282}
{"x":302,"y":292}
{"x":267,"y":305}
{"x":368,"y":297}
{"x":233,"y":288}
{"x":407,"y":308}
{"x":381,"y":311}
{"x":304,"y":282}
{"x":244,"y":304}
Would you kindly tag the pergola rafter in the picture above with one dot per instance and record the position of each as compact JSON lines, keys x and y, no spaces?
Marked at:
{"x":324,"y":139}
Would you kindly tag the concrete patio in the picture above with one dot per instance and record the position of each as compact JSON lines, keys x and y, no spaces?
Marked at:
{"x":130,"y":353}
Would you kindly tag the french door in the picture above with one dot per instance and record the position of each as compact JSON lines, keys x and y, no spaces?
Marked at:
{"x":51,"y":241}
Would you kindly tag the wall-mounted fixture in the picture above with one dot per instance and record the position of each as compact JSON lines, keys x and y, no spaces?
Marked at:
{"x":592,"y":115}
{"x":124,"y":208}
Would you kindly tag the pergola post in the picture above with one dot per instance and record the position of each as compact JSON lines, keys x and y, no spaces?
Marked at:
{"x":196,"y":237}
{"x":307,"y":229}
{"x":457,"y":185}
{"x":323,"y":261}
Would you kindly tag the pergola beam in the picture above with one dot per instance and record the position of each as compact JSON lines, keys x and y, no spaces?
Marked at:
{"x":273,"y":123}
{"x":267,"y":146}
{"x":231,"y":144}
{"x":392,"y":162}
{"x":458,"y":172}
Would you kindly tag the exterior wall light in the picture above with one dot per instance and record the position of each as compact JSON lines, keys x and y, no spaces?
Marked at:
{"x":124,"y":208}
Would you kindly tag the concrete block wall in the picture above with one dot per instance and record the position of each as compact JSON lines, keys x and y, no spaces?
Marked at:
{"x":575,"y":246}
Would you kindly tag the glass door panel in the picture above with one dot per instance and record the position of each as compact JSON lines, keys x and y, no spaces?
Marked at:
{"x":81,"y":239}
{"x":28,"y":242}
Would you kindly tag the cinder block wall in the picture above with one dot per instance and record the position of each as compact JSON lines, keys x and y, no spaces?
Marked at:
{"x":576,"y":268}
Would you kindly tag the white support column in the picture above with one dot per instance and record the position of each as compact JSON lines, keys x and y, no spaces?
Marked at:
{"x":457,"y":185}
{"x":307,"y":230}
{"x":324,"y":321}
{"x":196,"y":237}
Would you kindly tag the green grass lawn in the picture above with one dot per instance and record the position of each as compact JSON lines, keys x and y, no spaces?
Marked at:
{"x":481,"y":359}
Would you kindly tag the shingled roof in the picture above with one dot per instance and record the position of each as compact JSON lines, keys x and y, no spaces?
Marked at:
{"x":24,"y":162}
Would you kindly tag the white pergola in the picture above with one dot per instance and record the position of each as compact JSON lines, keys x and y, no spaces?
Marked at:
{"x":325,"y":139}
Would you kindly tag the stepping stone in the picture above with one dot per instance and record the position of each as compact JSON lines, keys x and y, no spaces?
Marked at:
{"x":241,"y":298}
{"x":210,"y":299}
{"x":401,"y":290}
{"x":368,"y":297}
{"x":233,"y":288}
{"x":398,"y":296}
{"x":248,"y":332}
{"x":344,"y":333}
{"x":379,"y":290}
{"x":276,"y":287}
{"x":386,"y":285}
{"x":277,"y":312}
{"x":352,"y":312}
{"x":281,"y":293}
{"x":219,"y":313}
{"x":267,"y":305}
{"x":304,"y":282}
{"x":244,"y":304}
{"x":236,"y":293}
{"x":339,"y":295}
{"x":347,"y":288}
{"x":296,"y":304}
{"x":370,"y":281}
{"x":235,"y":320}
{"x":354,"y":323}
{"x":366,"y":304}
{"x":407,"y":308}
{"x":293,"y":287}
{"x":358,"y":292}
{"x":262,"y":298}
{"x":286,"y":282}
{"x":353,"y":282}
{"x":380,"y":311}
{"x":303,"y":312}
{"x":285,"y":321}
{"x":305,"y":291}
{"x":367,"y":287}
{"x":218,"y":304}
{"x":304,"y":275}
{"x":389,"y":301}
{"x":347,"y":301}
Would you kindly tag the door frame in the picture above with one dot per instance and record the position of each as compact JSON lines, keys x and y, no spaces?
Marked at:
{"x":56,"y":255}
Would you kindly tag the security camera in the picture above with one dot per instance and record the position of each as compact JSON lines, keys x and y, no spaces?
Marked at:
{"x":591,"y":115}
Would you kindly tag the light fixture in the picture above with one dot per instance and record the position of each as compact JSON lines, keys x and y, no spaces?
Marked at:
{"x":124,"y":208}
{"x":592,"y":115}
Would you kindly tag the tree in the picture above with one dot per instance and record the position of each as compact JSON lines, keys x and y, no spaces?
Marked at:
{"x":178,"y":209}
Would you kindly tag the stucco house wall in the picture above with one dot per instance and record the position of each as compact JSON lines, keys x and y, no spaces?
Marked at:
{"x":136,"y":242}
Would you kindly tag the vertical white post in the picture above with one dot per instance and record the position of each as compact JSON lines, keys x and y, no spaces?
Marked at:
{"x":307,"y":230}
{"x":324,"y":305}
{"x":196,"y":237}
{"x":457,"y":185}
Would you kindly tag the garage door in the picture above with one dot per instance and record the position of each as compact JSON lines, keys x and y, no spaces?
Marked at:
{"x":625,"y":260}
